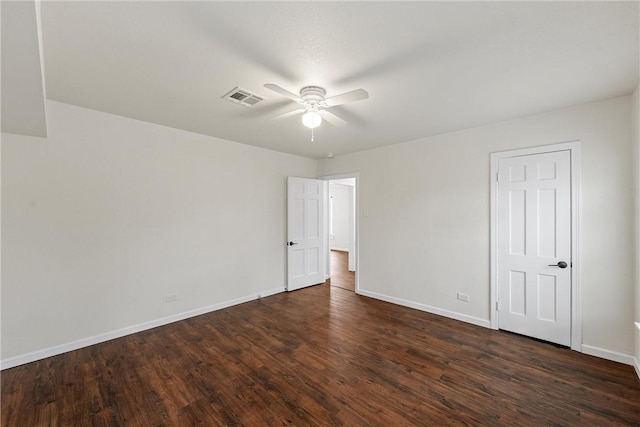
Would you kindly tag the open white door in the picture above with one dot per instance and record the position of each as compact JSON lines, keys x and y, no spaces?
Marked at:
{"x":534,"y":245}
{"x":306,"y":237}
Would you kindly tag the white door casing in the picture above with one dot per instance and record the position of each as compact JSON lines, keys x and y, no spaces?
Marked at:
{"x":306,"y":235}
{"x":534,"y":243}
{"x":352,"y":229}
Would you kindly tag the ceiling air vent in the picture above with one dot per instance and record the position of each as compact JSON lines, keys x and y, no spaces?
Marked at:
{"x":243,"y":97}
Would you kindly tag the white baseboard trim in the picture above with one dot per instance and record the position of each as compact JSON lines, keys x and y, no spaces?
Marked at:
{"x":270,"y":292}
{"x":614,"y":356}
{"x":429,"y":309}
{"x":86,"y":342}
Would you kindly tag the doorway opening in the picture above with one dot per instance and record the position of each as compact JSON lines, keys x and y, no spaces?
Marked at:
{"x":342,"y":231}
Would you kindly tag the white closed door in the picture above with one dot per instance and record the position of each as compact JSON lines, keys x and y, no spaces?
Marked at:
{"x":306,"y":239}
{"x":534,"y":246}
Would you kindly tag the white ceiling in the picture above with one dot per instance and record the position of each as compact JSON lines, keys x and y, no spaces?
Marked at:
{"x":429,"y":67}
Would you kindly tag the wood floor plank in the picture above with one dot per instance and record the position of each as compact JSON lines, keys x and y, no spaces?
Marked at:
{"x":320,"y":356}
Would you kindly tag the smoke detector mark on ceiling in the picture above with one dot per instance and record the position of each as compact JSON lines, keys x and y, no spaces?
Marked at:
{"x":243,"y":97}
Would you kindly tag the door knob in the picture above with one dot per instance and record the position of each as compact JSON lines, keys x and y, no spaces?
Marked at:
{"x":560,"y":264}
{"x":291,"y":243}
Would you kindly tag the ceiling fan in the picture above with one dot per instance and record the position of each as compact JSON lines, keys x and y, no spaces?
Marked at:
{"x":315,"y":106}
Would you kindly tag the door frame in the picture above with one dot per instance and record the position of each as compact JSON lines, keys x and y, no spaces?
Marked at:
{"x":356,"y":207}
{"x":574,"y":148}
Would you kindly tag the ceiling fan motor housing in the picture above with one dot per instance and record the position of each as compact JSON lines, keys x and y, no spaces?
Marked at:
{"x":312,"y":95}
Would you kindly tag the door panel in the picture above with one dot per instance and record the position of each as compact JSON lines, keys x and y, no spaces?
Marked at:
{"x":534,"y":234}
{"x":517,"y":222}
{"x":305,"y":232}
{"x":517,"y":293}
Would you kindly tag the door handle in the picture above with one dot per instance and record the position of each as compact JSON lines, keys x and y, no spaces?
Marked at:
{"x":291,"y":244}
{"x":560,"y":264}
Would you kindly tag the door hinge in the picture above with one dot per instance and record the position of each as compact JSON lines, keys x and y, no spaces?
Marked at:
{"x":497,"y":176}
{"x":497,"y":305}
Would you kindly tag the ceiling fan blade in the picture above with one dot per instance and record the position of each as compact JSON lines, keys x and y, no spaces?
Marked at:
{"x":290,"y":113}
{"x":282,"y":91}
{"x":332,"y":118}
{"x":354,"y":95}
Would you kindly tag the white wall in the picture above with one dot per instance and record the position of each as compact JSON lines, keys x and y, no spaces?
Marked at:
{"x":424,"y":224}
{"x":108,"y":215}
{"x":635,"y":132}
{"x":340,"y":217}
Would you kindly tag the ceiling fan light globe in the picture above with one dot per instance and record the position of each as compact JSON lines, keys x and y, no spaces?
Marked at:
{"x":311,"y":119}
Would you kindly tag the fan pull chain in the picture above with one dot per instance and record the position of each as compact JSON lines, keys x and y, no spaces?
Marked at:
{"x":311,"y":134}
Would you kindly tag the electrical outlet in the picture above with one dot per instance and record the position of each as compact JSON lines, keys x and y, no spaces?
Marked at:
{"x":463,"y":297}
{"x":171,"y":298}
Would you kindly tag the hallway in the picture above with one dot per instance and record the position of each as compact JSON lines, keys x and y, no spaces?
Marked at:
{"x":340,"y":274}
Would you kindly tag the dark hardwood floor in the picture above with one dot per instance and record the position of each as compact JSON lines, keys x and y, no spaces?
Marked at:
{"x":340,"y":274}
{"x":320,"y":356}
